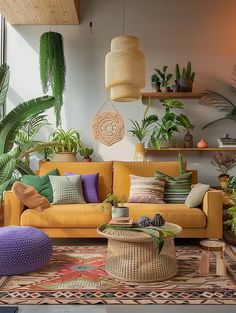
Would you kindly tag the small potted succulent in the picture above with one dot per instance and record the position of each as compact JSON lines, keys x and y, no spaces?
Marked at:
{"x":224,"y":161}
{"x":85,"y":152}
{"x":118,"y":208}
{"x":164,"y":78}
{"x":185,"y":79}
{"x":155,"y":83}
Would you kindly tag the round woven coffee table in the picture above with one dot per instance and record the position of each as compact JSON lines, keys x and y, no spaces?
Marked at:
{"x":133,"y":256}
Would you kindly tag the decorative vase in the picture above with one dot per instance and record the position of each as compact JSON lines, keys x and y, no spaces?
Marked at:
{"x":185,"y":85}
{"x":156,"y":86}
{"x":223,"y":178}
{"x":188,"y":140}
{"x":140,"y":153}
{"x":202,"y":144}
{"x":121,"y":211}
{"x":65,"y":157}
{"x":157,"y":220}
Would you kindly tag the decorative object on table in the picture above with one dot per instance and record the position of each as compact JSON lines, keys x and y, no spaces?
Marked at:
{"x":226,"y":142}
{"x":108,"y":126}
{"x":125,"y":69}
{"x":218,"y":248}
{"x":143,"y":221}
{"x":164,"y":78}
{"x":34,"y":243}
{"x":154,"y":258}
{"x":158,"y":220}
{"x":140,"y":131}
{"x":170,"y":124}
{"x":188,"y":139}
{"x":70,"y":144}
{"x":155,"y":83}
{"x":196,"y":195}
{"x":202,"y":143}
{"x":118,"y":208}
{"x":185,"y":79}
{"x":85,"y":152}
{"x":121,"y":221}
{"x":52,"y":68}
{"x":224,"y":161}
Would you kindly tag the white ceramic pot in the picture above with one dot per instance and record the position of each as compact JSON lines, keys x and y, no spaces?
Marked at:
{"x":122,"y":211}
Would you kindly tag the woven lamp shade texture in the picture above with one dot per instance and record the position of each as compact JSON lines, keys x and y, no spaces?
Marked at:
{"x":125,"y":69}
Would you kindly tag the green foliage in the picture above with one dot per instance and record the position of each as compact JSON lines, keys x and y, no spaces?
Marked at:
{"x":85,"y":151}
{"x":114,"y":200}
{"x":231,"y":184}
{"x":232,"y":212}
{"x":170,"y":123}
{"x":164,"y":78}
{"x":70,"y":140}
{"x":52,"y":68}
{"x":4,"y":84}
{"x":12,"y":122}
{"x":140,"y":130}
{"x":186,"y":72}
{"x":155,"y":78}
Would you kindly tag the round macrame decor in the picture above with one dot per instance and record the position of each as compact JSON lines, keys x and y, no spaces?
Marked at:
{"x":108,"y":126}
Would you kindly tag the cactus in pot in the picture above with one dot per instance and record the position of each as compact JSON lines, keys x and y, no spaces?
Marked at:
{"x":185,"y":79}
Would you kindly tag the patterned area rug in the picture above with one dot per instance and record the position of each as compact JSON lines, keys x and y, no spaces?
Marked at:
{"x":76,"y":275}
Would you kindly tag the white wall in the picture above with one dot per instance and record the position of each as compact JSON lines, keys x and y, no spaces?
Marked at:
{"x":170,"y":31}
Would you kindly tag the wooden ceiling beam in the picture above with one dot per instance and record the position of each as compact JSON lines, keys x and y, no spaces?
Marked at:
{"x":40,"y":12}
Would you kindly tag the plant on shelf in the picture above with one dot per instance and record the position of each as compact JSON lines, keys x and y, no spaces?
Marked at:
{"x":70,"y":144}
{"x":155,"y":83}
{"x":117,"y":202}
{"x":171,"y":123}
{"x":85,"y":152}
{"x":224,"y":161}
{"x":52,"y":68}
{"x":164,"y":78}
{"x":185,"y":79}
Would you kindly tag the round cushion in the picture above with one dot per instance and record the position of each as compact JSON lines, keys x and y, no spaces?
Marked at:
{"x":23,"y":249}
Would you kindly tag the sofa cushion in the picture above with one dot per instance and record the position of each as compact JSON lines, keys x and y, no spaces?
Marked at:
{"x":67,"y":215}
{"x":196,"y":195}
{"x":41,"y":183}
{"x":67,"y":189}
{"x":146,"y":190}
{"x":174,"y":213}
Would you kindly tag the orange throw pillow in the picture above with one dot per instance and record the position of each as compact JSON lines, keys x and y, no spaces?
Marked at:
{"x":30,"y":197}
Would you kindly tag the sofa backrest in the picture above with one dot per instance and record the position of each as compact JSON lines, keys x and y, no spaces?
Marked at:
{"x":103,"y":168}
{"x":122,"y":170}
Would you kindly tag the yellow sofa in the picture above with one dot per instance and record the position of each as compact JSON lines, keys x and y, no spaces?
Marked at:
{"x":81,"y":220}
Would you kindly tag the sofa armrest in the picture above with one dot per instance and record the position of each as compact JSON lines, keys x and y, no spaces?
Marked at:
{"x":12,"y":209}
{"x":212,"y":207}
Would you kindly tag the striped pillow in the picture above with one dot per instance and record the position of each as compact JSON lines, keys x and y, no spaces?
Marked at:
{"x":176,"y":188}
{"x":146,"y":190}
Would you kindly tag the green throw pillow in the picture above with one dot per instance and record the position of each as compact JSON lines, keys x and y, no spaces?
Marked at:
{"x":41,"y":183}
{"x":176,"y":188}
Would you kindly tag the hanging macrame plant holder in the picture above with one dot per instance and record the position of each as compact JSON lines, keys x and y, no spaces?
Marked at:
{"x":52,"y":68}
{"x":108,"y":126}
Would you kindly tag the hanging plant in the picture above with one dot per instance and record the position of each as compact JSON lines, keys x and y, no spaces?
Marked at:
{"x":52,"y":68}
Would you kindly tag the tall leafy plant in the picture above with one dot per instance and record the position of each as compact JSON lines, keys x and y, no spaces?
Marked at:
{"x":52,"y":68}
{"x":4,"y":83}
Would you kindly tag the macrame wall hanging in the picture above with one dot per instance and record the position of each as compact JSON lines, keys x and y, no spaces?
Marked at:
{"x":108,"y":126}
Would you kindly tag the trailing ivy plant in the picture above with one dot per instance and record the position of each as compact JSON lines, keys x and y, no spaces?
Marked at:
{"x":52,"y":68}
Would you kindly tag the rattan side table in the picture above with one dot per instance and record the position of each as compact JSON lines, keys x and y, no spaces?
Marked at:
{"x":132,"y":256}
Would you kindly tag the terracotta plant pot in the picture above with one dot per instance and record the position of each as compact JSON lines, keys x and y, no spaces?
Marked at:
{"x":65,"y":157}
{"x":223,"y":178}
{"x":202,"y":144}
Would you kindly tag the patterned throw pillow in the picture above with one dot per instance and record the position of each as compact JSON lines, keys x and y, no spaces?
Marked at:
{"x":196,"y":195}
{"x":176,"y":188}
{"x":146,"y":190}
{"x":67,"y":189}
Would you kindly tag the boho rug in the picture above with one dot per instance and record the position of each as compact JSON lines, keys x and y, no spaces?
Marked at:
{"x":76,"y":275}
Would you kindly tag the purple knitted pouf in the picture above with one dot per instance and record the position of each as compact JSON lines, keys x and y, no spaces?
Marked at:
{"x":23,"y":249}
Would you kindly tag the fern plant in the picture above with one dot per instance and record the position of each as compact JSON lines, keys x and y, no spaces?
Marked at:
{"x":52,"y":68}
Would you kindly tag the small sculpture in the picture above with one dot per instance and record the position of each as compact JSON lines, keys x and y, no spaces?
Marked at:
{"x":157,"y":220}
{"x":143,"y":221}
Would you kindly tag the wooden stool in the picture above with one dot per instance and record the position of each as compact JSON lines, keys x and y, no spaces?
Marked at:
{"x":218,"y":248}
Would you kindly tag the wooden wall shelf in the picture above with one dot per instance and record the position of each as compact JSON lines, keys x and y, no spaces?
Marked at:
{"x":170,"y":95}
{"x":40,"y":12}
{"x":188,"y":149}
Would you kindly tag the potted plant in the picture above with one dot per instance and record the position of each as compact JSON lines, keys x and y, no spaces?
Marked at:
{"x":71,"y":143}
{"x":166,"y":128}
{"x":229,"y":218}
{"x":185,"y":79}
{"x":224,"y":161}
{"x":117,"y":202}
{"x":85,"y":152}
{"x":164,"y":78}
{"x":155,"y":83}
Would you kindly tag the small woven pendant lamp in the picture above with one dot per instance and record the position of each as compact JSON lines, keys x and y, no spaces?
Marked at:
{"x":125,"y":69}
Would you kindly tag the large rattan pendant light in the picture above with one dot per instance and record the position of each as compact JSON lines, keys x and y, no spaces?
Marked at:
{"x":125,"y":68}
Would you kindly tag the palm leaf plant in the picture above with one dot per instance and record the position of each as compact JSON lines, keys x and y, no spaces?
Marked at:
{"x":4,"y":84}
{"x":52,"y":68}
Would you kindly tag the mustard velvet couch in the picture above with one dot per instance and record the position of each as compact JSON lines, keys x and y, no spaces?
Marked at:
{"x":81,"y":220}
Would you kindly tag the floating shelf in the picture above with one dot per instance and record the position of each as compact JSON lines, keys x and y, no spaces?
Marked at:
{"x":189,"y":149}
{"x":170,"y":95}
